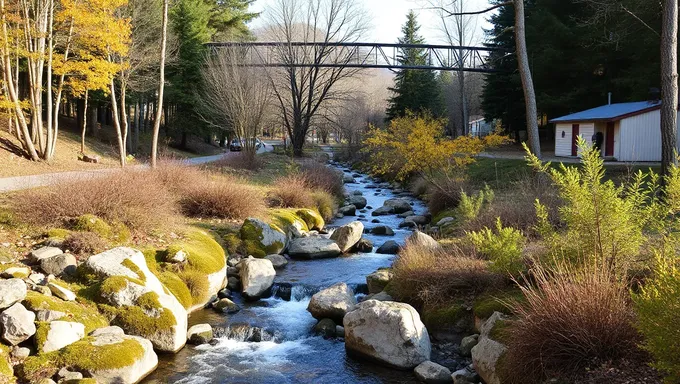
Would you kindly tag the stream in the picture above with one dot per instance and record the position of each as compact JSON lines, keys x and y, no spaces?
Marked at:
{"x":294,"y":354}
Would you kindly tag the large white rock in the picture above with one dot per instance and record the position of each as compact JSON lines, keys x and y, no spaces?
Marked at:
{"x":58,"y":265}
{"x":200,"y":334}
{"x":11,"y":291}
{"x":257,"y":276}
{"x":420,"y":239}
{"x":388,"y":332}
{"x":42,"y":253}
{"x":313,"y":247}
{"x":16,"y":324}
{"x":487,"y":352}
{"x":61,"y":334}
{"x":134,"y":373}
{"x":332,"y":303}
{"x":348,"y":235}
{"x":264,"y":236}
{"x":111,"y":263}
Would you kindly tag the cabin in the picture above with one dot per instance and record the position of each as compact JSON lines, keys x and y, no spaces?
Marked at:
{"x":629,"y":132}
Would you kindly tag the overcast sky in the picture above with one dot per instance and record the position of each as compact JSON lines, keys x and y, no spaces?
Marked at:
{"x":388,"y":16}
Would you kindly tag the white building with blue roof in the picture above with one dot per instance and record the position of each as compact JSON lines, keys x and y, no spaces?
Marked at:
{"x":625,"y":131}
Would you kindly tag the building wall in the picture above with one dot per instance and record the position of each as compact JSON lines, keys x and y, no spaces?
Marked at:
{"x":563,"y":144}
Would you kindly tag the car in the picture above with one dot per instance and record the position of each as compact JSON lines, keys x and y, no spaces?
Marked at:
{"x":235,"y":145}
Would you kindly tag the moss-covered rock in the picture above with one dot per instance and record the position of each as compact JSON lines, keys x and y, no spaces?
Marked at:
{"x":204,"y":254}
{"x":116,"y":232}
{"x":57,"y":233}
{"x":312,"y":218}
{"x":261,"y":239}
{"x":177,"y":287}
{"x":288,"y":220}
{"x":6,"y":370}
{"x":485,"y":305}
{"x":198,"y":285}
{"x":14,"y":270}
{"x":83,"y":313}
{"x":456,"y":318}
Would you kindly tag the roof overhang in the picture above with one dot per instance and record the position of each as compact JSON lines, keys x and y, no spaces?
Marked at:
{"x":608,"y":119}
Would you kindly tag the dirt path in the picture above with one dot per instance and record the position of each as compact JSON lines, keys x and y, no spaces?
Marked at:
{"x":10,"y":184}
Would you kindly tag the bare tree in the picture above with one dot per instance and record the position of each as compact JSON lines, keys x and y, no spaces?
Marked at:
{"x":669,"y":85}
{"x":236,"y":94}
{"x":161,"y":87}
{"x":300,"y":92}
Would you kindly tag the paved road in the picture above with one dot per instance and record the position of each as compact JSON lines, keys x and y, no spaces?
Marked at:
{"x":9,"y":184}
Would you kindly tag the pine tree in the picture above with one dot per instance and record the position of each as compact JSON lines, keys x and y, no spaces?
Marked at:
{"x":415,"y":90}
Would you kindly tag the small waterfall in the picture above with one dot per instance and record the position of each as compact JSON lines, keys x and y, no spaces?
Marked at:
{"x":290,"y":292}
{"x":245,"y":332}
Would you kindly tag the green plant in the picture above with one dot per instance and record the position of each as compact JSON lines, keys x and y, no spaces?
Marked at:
{"x":658,"y":305}
{"x":469,"y":206}
{"x":503,"y":247}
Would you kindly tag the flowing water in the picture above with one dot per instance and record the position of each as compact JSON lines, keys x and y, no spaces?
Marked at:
{"x":289,"y":352}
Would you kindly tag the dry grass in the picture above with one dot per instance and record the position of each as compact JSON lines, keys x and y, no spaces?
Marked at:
{"x":445,"y":195}
{"x":428,"y":277}
{"x":240,"y":160}
{"x":138,"y":199}
{"x":84,"y":243}
{"x":570,"y":318}
{"x":291,"y":191}
{"x":319,"y":176}
{"x":221,"y":197}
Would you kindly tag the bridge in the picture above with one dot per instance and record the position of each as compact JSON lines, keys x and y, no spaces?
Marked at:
{"x":364,"y":55}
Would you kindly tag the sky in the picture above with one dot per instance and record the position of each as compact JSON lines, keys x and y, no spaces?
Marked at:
{"x":388,"y":16}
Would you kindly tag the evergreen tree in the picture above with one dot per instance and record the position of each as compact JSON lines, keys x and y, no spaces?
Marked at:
{"x":415,"y":90}
{"x":229,"y":18}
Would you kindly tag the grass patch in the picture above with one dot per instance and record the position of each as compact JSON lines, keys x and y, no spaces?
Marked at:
{"x":204,"y":254}
{"x":177,"y":287}
{"x":221,"y":197}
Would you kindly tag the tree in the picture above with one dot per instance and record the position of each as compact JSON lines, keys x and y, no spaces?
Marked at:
{"x":669,"y":85}
{"x":300,"y":92}
{"x":228,"y":19}
{"x":236,"y":95}
{"x":414,"y":90}
{"x":161,"y":86}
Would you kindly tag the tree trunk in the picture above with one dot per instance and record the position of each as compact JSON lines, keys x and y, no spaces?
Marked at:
{"x":527,"y":82}
{"x":84,"y":126}
{"x":161,"y":86}
{"x":116,"y":123}
{"x":135,"y":133}
{"x":669,"y":85}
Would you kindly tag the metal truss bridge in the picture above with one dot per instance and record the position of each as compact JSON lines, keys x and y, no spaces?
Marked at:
{"x":363,"y":55}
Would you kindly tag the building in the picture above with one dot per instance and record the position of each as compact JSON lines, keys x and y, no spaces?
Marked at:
{"x":626,"y":131}
{"x":479,"y":127}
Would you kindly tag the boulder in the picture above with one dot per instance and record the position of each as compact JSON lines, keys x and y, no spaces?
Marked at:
{"x":200,"y":334}
{"x":407,"y":224}
{"x":263,"y":237}
{"x":333,"y":302}
{"x":432,"y":373}
{"x":467,"y":344}
{"x":357,"y":193}
{"x":20,"y":353}
{"x":58,"y":335}
{"x":388,"y":332}
{"x":382,"y":230}
{"x":61,"y":292}
{"x":348,"y":235}
{"x":418,"y":219}
{"x":16,"y":272}
{"x":466,"y":375}
{"x":398,"y":205}
{"x":348,"y":210}
{"x":358,"y":201}
{"x":382,"y":211}
{"x":445,"y":221}
{"x":179,"y":256}
{"x":325,"y":328}
{"x":378,"y":280}
{"x":225,"y":305}
{"x":419,"y":239}
{"x":278,"y":261}
{"x":128,"y":266}
{"x":313,"y":248}
{"x":390,"y":247}
{"x":59,"y":265}
{"x":485,"y":356}
{"x":16,"y":324}
{"x":233,"y":283}
{"x":11,"y":291}
{"x":43,"y":253}
{"x":406,"y":214}
{"x":348,"y":179}
{"x":339,"y":331}
{"x":364,"y":246}
{"x":382,"y":296}
{"x":257,"y":276}
{"x":67,"y":376}
{"x":224,"y":294}
{"x":48,"y":315}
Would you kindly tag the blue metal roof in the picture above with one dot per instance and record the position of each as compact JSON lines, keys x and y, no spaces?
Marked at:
{"x":609,"y":112}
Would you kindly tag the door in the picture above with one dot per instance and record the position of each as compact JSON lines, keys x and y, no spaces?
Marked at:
{"x":574,"y":139}
{"x":609,"y":140}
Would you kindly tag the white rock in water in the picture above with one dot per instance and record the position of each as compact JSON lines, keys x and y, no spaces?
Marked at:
{"x":313,"y":248}
{"x":257,"y":276}
{"x":332,"y":303}
{"x":348,"y":235}
{"x":432,"y":373}
{"x":389,"y":332}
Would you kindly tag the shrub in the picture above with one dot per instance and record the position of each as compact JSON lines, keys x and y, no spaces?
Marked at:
{"x":426,"y":276}
{"x":320,"y":177}
{"x":325,"y":204}
{"x":470,"y":206}
{"x":445,"y":194}
{"x":84,"y":243}
{"x":240,"y":160}
{"x":291,"y":192}
{"x":224,"y":198}
{"x":136,"y":198}
{"x":570,"y":317}
{"x":658,"y":305}
{"x":503,"y":247}
{"x":198,"y":284}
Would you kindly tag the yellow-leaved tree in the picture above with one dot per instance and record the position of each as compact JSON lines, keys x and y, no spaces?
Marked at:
{"x":417,"y":145}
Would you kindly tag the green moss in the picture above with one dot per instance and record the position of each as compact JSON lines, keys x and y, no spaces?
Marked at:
{"x":312,"y":218}
{"x":87,"y":380}
{"x":121,"y":233}
{"x":284,"y":218}
{"x":113,"y":285}
{"x":149,"y":301}
{"x":57,"y":233}
{"x":197,"y":283}
{"x":232,"y":243}
{"x":18,"y":275}
{"x":129,"y":264}
{"x":204,"y":254}
{"x":486,"y":305}
{"x":83,"y":313}
{"x":177,"y":287}
{"x":92,"y":223}
{"x":42,"y":329}
{"x":82,"y":356}
{"x":135,"y":321}
{"x":450,"y":316}
{"x":254,"y":248}
{"x":6,"y":370}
